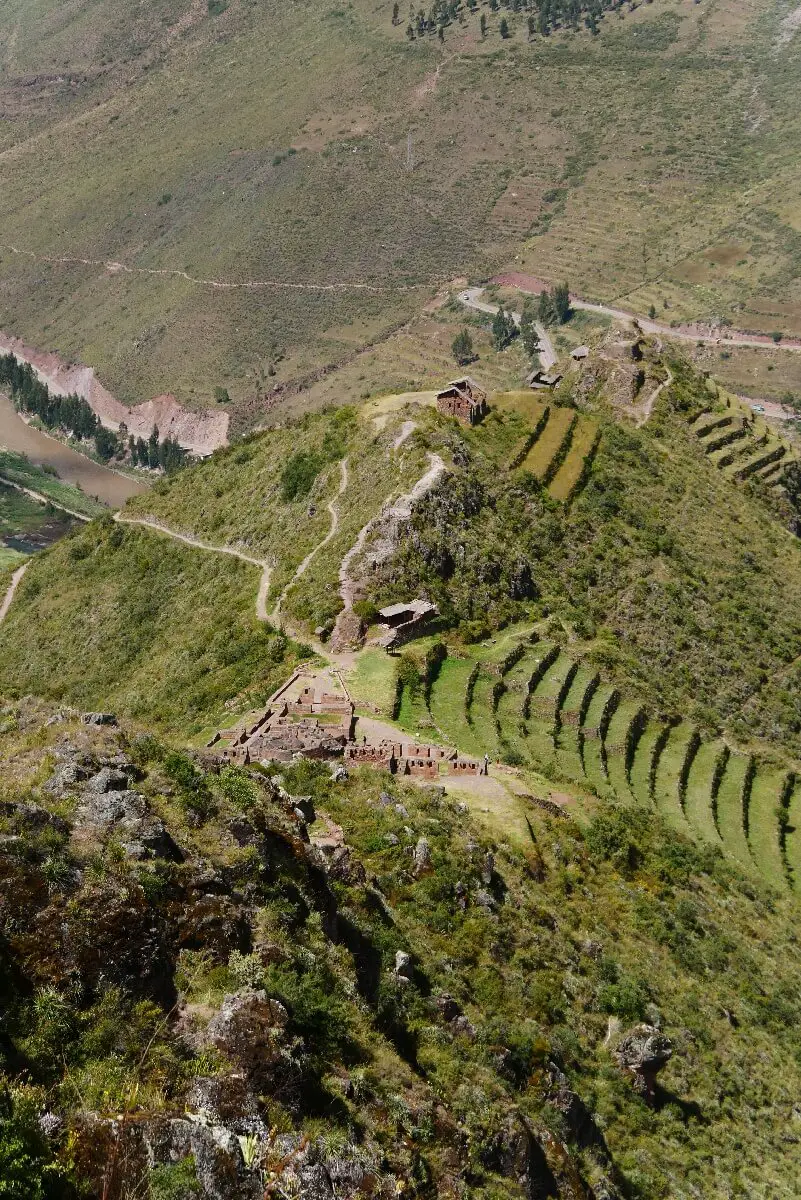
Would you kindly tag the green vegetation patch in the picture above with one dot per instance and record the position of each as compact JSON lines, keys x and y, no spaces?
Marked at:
{"x":117,"y":617}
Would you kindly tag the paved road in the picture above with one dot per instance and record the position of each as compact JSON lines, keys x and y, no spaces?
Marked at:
{"x":470,"y":298}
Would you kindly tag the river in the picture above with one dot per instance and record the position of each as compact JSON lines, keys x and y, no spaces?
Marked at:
{"x":93,"y":479}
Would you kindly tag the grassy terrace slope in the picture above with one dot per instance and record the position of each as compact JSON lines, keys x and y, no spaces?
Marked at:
{"x":686,"y":588}
{"x":538,"y":706}
{"x":154,"y":136}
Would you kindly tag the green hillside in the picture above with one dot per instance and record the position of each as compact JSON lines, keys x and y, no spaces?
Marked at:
{"x":334,"y":162}
{"x":119,"y":618}
{"x":485,"y":1064}
{"x":680,"y":584}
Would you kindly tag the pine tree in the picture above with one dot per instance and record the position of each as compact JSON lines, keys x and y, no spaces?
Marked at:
{"x":561,"y":303}
{"x":504,"y":28}
{"x":463,"y":348}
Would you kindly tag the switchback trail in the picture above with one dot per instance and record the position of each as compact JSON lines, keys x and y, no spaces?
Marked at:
{"x":470,"y":298}
{"x":5,"y":605}
{"x":693,"y":332}
{"x":198,"y":544}
{"x":275,"y":615}
{"x":399,"y":510}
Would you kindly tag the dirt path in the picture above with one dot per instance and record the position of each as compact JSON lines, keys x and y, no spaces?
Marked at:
{"x":12,"y":587}
{"x":648,"y":407}
{"x":399,"y":510}
{"x":275,"y":615}
{"x":112,"y":267}
{"x":40,"y":496}
{"x":198,"y":544}
{"x":547,"y":355}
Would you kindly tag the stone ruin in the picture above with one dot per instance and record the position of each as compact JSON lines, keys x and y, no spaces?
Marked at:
{"x":315,"y":725}
{"x":320,"y":725}
{"x":423,"y":761}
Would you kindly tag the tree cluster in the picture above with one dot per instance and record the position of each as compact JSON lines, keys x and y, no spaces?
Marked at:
{"x":544,"y":16}
{"x":554,"y":307}
{"x":504,"y":329}
{"x":73,"y":415}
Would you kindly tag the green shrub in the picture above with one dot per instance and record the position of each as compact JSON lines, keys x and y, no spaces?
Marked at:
{"x":174,"y":1181}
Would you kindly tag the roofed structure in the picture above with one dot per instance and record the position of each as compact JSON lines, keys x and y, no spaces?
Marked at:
{"x":464,"y":399}
{"x":541,"y":381}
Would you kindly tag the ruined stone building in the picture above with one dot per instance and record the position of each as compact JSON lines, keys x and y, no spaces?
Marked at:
{"x":464,"y":399}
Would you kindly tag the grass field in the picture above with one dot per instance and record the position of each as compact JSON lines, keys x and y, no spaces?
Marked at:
{"x":698,"y":806}
{"x":567,"y":478}
{"x":763,"y":824}
{"x":542,"y":453}
{"x":171,"y":633}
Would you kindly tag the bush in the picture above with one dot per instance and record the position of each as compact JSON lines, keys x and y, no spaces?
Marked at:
{"x":174,"y":1181}
{"x":27,"y":1171}
{"x":299,"y":474}
{"x":366,"y":611}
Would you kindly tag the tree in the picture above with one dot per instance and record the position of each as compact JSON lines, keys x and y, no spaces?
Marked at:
{"x":395,"y":12}
{"x":545,"y":309}
{"x":106,"y":443}
{"x":483,"y":24}
{"x":528,"y":328}
{"x":561,"y":303}
{"x":503,"y":329}
{"x":153,"y":449}
{"x":441,"y":33}
{"x":652,"y":311}
{"x":463,"y":348}
{"x":504,"y":27}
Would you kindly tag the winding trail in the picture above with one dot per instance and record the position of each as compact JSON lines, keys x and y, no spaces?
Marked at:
{"x":112,"y":267}
{"x":691,"y":332}
{"x":275,"y":615}
{"x":547,"y":354}
{"x":199,"y":544}
{"x":12,"y":587}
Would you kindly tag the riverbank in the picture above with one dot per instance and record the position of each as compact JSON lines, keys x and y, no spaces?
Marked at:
{"x":102,"y":483}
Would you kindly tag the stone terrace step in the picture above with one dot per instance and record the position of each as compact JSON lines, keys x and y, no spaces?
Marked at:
{"x":701,"y":781}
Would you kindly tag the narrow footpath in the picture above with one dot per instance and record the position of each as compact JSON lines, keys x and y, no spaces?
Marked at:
{"x":275,"y":615}
{"x":198,"y":544}
{"x":12,"y":587}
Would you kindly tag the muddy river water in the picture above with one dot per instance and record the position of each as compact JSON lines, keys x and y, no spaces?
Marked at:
{"x":93,"y":479}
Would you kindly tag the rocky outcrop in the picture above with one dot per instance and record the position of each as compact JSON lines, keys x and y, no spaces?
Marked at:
{"x":250,"y":1030}
{"x":109,"y":808}
{"x":642,"y":1053}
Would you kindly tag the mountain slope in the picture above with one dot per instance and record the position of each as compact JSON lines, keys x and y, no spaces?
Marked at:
{"x":205,"y":990}
{"x":162,"y":139}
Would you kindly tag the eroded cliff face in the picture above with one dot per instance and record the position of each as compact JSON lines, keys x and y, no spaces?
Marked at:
{"x":200,"y":433}
{"x":204,"y":992}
